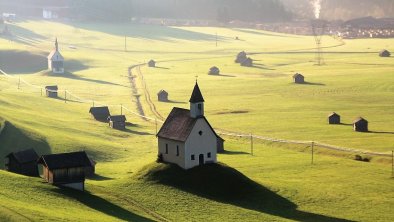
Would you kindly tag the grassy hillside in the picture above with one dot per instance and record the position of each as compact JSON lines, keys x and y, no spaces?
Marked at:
{"x":277,"y":183}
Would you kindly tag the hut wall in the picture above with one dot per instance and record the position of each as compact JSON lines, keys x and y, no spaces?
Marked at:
{"x":220,"y":145}
{"x":51,"y":94}
{"x":77,"y":186}
{"x":334,"y":120}
{"x":162,"y":97}
{"x":117,"y":125}
{"x":90,"y":171}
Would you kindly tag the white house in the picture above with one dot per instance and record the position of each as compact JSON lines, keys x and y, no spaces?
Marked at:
{"x":56,"y":60}
{"x":186,"y":137}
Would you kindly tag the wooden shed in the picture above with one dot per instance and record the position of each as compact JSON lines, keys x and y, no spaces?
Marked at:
{"x":117,"y":122}
{"x":240,"y":57}
{"x":298,"y":78}
{"x":162,"y":96}
{"x":220,"y":144}
{"x":66,"y":169}
{"x":22,"y":162}
{"x":51,"y":91}
{"x":385,"y":53}
{"x":334,"y":118}
{"x":92,"y":170}
{"x":248,"y":62}
{"x":360,"y":125}
{"x":100,"y":113}
{"x":152,"y":63}
{"x":214,"y":71}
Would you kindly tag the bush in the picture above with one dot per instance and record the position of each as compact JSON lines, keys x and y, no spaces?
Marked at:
{"x":361,"y":158}
{"x":159,"y":158}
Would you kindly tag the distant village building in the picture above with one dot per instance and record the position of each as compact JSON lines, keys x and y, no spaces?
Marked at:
{"x":152,"y":63}
{"x":6,"y":31}
{"x":334,"y":118}
{"x":248,"y":62}
{"x":186,"y":137}
{"x":56,"y":60}
{"x":214,"y":71}
{"x":22,"y":162}
{"x":298,"y":78}
{"x":240,"y":57}
{"x":162,"y":96}
{"x":51,"y":91}
{"x":66,"y":169}
{"x":117,"y":122}
{"x":360,"y":125}
{"x":384,"y":53}
{"x":100,"y":113}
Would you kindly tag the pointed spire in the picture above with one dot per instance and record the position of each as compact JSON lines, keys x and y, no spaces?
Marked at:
{"x":56,"y":45}
{"x":196,"y":95}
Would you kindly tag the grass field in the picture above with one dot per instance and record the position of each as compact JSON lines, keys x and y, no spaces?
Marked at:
{"x":262,"y":100}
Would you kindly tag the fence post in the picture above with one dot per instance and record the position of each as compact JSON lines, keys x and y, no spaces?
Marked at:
{"x":392,"y":163}
{"x":251,"y":144}
{"x":19,"y":82}
{"x":41,"y":91}
{"x":121,"y":109}
{"x":156,"y":125}
{"x":312,"y":150}
{"x":93,"y":102}
{"x":65,"y":96}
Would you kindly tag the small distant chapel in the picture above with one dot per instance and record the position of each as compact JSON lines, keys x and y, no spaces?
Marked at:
{"x":56,"y":60}
{"x":186,"y":137}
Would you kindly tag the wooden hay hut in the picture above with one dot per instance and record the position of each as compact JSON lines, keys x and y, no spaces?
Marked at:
{"x":360,"y":125}
{"x":220,"y":144}
{"x":92,"y":170}
{"x":214,"y":71}
{"x":248,"y":62}
{"x":152,"y":63}
{"x":240,"y":57}
{"x":334,"y":118}
{"x":22,"y":162}
{"x":117,"y":122}
{"x":385,"y":53}
{"x":298,"y":78}
{"x":100,"y":113}
{"x":162,"y":96}
{"x":66,"y":169}
{"x":51,"y":91}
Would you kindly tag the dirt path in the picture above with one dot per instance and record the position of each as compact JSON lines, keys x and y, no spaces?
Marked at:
{"x":134,"y":90}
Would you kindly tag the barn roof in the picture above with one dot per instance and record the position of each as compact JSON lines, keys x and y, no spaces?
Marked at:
{"x":118,"y":118}
{"x":54,"y":88}
{"x":25,"y":156}
{"x":214,"y":68}
{"x":65,"y":160}
{"x":333,"y":114}
{"x":360,"y":119}
{"x":196,"y":95}
{"x":297,"y":74}
{"x":179,"y":125}
{"x":162,"y":92}
{"x":100,"y":113}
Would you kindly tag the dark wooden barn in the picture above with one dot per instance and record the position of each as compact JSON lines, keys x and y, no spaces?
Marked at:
{"x":360,"y":125}
{"x":92,"y":170}
{"x":220,"y":144}
{"x":152,"y":63}
{"x":298,"y":78}
{"x":334,"y":118}
{"x":248,"y":62}
{"x":117,"y":122}
{"x":385,"y":53}
{"x":66,"y":169}
{"x":22,"y":162}
{"x":240,"y":57}
{"x":51,"y":91}
{"x":214,"y":71}
{"x":162,"y":96}
{"x":100,"y":113}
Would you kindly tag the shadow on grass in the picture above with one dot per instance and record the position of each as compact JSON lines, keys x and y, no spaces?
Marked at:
{"x":11,"y":60}
{"x":97,"y":203}
{"x":221,"y":183}
{"x":70,"y":75}
{"x":227,"y":152}
{"x":311,"y":84}
{"x":159,"y":67}
{"x":222,"y":75}
{"x":137,"y":132}
{"x":173,"y":101}
{"x":380,"y":132}
{"x":97,"y":177}
{"x":22,"y":35}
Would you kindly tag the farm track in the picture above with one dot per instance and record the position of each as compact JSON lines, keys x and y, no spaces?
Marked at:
{"x":147,"y":94}
{"x":135,"y":204}
{"x":134,"y":90}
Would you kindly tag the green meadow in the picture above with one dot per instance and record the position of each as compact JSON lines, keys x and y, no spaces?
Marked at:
{"x":276,"y":183}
